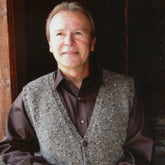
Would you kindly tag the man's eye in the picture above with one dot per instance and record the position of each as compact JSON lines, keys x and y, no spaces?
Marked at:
{"x":59,"y":34}
{"x":78,"y":33}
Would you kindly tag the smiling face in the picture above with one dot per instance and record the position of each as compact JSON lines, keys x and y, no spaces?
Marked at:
{"x":70,"y":40}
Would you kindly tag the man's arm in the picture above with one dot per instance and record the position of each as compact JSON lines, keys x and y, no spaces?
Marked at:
{"x":138,"y":147}
{"x":20,"y":142}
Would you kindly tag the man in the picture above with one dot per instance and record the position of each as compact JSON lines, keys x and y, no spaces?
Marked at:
{"x":77,"y":115}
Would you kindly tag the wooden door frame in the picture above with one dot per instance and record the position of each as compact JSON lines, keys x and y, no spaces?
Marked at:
{"x":12,"y":55}
{"x":17,"y":45}
{"x":5,"y":81}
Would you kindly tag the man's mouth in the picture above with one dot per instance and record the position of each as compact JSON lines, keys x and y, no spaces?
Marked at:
{"x":70,"y":53}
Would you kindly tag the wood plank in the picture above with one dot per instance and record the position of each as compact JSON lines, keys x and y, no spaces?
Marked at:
{"x":12,"y":50}
{"x":5,"y":83}
{"x":17,"y":9}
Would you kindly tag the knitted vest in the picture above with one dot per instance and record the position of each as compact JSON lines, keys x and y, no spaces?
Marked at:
{"x":60,"y":142}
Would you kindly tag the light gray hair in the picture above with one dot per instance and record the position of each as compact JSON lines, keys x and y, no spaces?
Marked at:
{"x":69,"y":6}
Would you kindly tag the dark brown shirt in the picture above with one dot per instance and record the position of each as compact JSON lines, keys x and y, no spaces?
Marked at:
{"x":79,"y":103}
{"x":20,"y":141}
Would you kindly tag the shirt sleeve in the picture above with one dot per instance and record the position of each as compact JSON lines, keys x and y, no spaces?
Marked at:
{"x":138,"y":147}
{"x":20,"y":142}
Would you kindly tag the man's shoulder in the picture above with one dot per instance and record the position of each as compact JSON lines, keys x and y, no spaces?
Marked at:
{"x":120,"y":84}
{"x":41,"y":82}
{"x":110,"y":75}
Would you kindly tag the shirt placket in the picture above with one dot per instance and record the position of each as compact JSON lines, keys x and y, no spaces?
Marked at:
{"x":81,"y":119}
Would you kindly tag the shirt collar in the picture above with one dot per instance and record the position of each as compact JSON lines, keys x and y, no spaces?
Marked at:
{"x":95,"y":74}
{"x":58,"y":78}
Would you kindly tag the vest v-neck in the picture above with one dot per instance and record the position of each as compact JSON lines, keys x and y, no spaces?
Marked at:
{"x":94,"y":116}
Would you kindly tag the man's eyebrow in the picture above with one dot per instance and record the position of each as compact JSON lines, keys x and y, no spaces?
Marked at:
{"x":59,"y":30}
{"x":82,"y":30}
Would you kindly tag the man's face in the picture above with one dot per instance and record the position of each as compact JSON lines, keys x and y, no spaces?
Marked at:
{"x":70,"y":40}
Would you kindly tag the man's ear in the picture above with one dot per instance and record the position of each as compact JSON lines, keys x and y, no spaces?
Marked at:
{"x":93,"y":44}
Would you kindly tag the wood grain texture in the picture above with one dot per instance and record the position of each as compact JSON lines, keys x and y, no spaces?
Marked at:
{"x":5,"y":85}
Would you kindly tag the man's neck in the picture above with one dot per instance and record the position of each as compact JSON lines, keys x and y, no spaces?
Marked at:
{"x":76,"y":76}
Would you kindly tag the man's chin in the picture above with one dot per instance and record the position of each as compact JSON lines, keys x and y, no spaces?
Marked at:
{"x":70,"y":66}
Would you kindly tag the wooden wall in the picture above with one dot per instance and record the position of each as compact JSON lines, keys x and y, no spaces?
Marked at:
{"x":12,"y":55}
{"x":5,"y":81}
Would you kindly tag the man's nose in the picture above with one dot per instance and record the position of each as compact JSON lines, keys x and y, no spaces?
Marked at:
{"x":69,"y":39}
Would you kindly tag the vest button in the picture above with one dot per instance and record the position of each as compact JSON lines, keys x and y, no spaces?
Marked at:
{"x":85,"y":143}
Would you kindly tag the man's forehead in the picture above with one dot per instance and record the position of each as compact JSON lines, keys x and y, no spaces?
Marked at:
{"x":75,"y":20}
{"x":70,"y":15}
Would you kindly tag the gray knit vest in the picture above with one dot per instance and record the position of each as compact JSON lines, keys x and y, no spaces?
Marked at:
{"x":60,"y":142}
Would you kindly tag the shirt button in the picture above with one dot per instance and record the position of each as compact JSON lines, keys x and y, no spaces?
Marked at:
{"x":82,"y":121}
{"x":85,"y":143}
{"x":79,"y":98}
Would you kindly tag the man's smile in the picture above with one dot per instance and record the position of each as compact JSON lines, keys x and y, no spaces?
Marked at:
{"x":70,"y":53}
